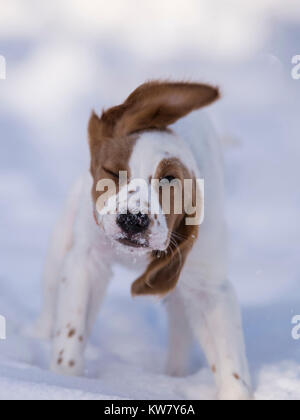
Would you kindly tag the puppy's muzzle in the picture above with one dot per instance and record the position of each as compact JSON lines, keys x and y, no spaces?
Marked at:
{"x":133,"y":224}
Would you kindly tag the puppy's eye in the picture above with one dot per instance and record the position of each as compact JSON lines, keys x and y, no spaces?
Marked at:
{"x":111,"y":173}
{"x":168,"y":178}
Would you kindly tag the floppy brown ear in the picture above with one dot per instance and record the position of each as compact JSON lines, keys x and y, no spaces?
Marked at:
{"x":163,"y":273}
{"x":156,"y":105}
{"x":95,"y":131}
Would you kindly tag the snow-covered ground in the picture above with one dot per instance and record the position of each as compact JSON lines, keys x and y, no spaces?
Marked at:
{"x":127,"y":353}
{"x":65,"y":57}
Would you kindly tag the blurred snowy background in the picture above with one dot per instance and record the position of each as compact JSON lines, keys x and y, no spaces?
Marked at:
{"x":66,"y":57}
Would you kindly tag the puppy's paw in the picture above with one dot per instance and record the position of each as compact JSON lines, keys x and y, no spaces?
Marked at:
{"x":235,"y":391}
{"x":176,"y":370}
{"x":68,"y":367}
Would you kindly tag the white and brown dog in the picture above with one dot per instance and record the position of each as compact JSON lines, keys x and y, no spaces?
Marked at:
{"x":180,"y":260}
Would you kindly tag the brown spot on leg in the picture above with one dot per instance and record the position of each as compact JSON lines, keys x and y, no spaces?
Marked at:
{"x":71,"y":363}
{"x":60,"y":360}
{"x":214,"y":369}
{"x":236,"y":376}
{"x":71,"y":333}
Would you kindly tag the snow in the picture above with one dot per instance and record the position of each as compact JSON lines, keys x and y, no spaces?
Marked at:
{"x":62,"y":64}
{"x":126,"y":357}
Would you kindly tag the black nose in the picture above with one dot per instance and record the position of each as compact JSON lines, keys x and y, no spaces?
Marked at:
{"x":133,"y":223}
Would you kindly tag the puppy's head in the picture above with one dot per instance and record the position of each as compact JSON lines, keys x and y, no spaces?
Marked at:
{"x":134,"y":159}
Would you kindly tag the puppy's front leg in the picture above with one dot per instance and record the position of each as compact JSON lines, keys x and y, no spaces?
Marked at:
{"x":180,"y":335}
{"x":215,"y":318}
{"x":76,"y":301}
